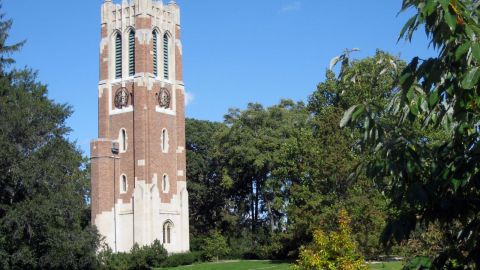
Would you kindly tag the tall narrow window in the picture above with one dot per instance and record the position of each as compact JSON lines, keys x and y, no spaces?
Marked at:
{"x":131,"y":53}
{"x":123,"y":183}
{"x":123,"y":140}
{"x":165,"y":184}
{"x":167,"y":232}
{"x":166,"y":67}
{"x":155,"y":53}
{"x":118,"y":56}
{"x":164,"y":141}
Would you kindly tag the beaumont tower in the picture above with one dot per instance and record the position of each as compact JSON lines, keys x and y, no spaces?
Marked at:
{"x":138,"y":163}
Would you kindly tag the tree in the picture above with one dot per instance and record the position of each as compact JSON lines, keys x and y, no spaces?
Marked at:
{"x":330,"y":155}
{"x":432,"y":179}
{"x":252,"y":148}
{"x":42,"y":177}
{"x":332,"y":251}
{"x":215,"y":246}
{"x":205,"y":178}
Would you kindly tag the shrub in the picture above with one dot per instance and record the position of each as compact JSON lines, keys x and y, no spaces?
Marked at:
{"x":180,"y":259}
{"x":333,"y":251}
{"x":214,"y":247}
{"x":113,"y":261}
{"x":418,"y":263}
{"x":147,"y":256}
{"x":139,"y":258}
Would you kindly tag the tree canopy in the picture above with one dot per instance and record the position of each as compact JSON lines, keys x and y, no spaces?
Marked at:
{"x":433,"y":176}
{"x":43,"y":181}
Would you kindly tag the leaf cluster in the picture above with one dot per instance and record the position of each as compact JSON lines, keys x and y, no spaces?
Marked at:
{"x":432,"y":170}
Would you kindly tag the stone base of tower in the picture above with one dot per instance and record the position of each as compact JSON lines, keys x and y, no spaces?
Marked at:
{"x":142,"y":220}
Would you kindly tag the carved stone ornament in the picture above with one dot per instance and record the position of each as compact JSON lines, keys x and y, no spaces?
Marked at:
{"x":164,"y":98}
{"x":121,"y":98}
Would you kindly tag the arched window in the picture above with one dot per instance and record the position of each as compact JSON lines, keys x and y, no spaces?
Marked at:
{"x":123,"y":140}
{"x":118,"y":56}
{"x":167,"y":232}
{"x":164,"y":141}
{"x":123,"y":183}
{"x":165,"y":184}
{"x":166,"y":68}
{"x":155,"y":53}
{"x":131,"y":53}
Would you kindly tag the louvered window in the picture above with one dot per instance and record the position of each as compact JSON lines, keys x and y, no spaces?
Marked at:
{"x":131,"y":53}
{"x":118,"y":56}
{"x":155,"y":53}
{"x":165,"y":57}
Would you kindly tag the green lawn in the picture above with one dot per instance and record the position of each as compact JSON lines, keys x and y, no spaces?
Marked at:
{"x":386,"y":266}
{"x":268,"y":265}
{"x":240,"y":265}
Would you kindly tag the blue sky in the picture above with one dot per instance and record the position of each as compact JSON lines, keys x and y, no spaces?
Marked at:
{"x":235,"y":52}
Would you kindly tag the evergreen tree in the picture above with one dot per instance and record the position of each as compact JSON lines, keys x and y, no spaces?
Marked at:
{"x":43,"y":181}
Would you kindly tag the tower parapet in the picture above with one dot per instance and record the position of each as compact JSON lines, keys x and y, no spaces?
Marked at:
{"x":121,"y":15}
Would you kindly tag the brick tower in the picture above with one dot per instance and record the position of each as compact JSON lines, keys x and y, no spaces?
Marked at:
{"x":138,"y":164}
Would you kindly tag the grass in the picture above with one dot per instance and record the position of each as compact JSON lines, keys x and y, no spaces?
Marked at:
{"x":386,"y":266}
{"x":237,"y":265}
{"x":268,"y":265}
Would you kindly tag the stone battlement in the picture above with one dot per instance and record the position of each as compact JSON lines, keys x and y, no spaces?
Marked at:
{"x":122,"y":15}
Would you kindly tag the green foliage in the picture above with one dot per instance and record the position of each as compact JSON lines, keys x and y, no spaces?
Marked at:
{"x":139,"y":258}
{"x":147,"y":256}
{"x":113,"y":261}
{"x":336,"y":250}
{"x":326,"y":156}
{"x":424,"y":242}
{"x":215,"y":247}
{"x":43,"y":181}
{"x":205,"y":178}
{"x":280,"y":171}
{"x":252,"y":150}
{"x":432,"y":175}
{"x":418,"y":263}
{"x":180,"y":259}
{"x":6,"y":50}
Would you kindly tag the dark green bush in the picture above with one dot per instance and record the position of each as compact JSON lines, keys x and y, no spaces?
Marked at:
{"x":113,"y":261}
{"x":139,"y":258}
{"x":180,"y":259}
{"x":418,"y":263}
{"x":215,"y":247}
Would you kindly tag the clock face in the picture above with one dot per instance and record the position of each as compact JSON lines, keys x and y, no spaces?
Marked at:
{"x":121,"y":98}
{"x":164,"y":98}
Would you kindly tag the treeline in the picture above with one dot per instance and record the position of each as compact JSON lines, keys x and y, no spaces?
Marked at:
{"x":394,"y":144}
{"x":267,"y":177}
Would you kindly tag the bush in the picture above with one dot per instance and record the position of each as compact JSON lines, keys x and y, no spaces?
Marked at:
{"x":214,"y":247}
{"x":333,"y":251}
{"x":139,"y":258}
{"x":182,"y":259}
{"x":113,"y":261}
{"x":418,"y":263}
{"x":148,"y":256}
